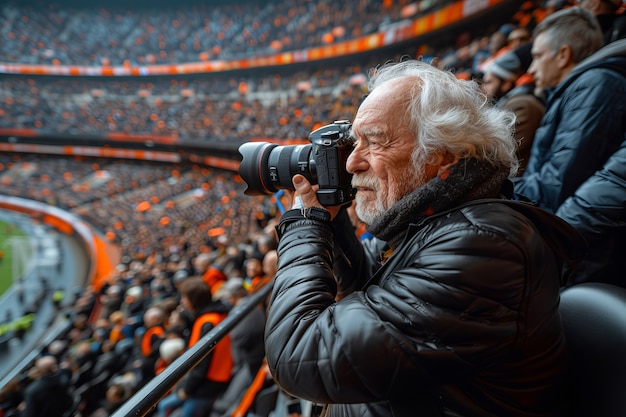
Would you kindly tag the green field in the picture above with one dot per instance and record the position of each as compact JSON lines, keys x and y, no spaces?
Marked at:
{"x":7,"y":231}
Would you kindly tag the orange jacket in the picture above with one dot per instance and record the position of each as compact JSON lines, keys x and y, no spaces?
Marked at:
{"x":147,"y":340}
{"x":221,"y":365}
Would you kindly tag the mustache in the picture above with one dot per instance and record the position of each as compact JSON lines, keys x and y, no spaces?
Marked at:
{"x":364,"y":181}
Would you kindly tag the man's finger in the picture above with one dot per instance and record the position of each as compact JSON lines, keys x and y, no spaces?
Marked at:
{"x":305,"y":191}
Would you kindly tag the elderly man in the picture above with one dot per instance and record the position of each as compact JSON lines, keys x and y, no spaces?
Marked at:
{"x":452,"y":308}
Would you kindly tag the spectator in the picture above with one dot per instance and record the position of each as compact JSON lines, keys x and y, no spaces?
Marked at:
{"x":247,"y":337}
{"x":561,"y":42}
{"x":270,"y":264}
{"x":133,"y":308}
{"x":169,"y":351}
{"x":152,"y":337}
{"x":254,"y":270}
{"x":498,"y":46}
{"x":499,"y":83}
{"x":454,"y":308}
{"x":118,"y":322}
{"x":597,"y":211}
{"x":115,"y":396}
{"x":202,"y":385}
{"x":108,"y":361}
{"x":517,"y":37}
{"x":11,"y":395}
{"x":203,"y":266}
{"x":613,"y":25}
{"x":583,"y":127}
{"x":111,"y":300}
{"x":48,"y":395}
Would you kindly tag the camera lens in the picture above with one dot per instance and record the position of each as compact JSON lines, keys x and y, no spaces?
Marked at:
{"x":267,"y":167}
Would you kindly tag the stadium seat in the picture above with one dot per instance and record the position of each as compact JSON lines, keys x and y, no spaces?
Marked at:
{"x":594,"y":316}
{"x":265,"y":401}
{"x":227,"y":402}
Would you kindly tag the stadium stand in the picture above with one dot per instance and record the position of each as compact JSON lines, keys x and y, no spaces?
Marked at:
{"x":163,"y":216}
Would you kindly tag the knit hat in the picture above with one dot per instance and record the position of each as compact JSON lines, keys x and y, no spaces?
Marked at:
{"x":513,"y":64}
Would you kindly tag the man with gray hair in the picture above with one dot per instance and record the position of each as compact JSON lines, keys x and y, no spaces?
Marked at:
{"x":584,"y":125}
{"x":452,"y":307}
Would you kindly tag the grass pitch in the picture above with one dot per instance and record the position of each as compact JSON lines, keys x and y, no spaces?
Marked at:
{"x":7,"y":232}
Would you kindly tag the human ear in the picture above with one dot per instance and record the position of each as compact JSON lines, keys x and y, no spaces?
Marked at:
{"x":564,"y":56}
{"x":445,"y":161}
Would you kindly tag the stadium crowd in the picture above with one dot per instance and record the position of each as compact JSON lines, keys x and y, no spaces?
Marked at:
{"x":140,"y":206}
{"x":196,"y":225}
{"x":68,"y":33}
{"x":176,"y":223}
{"x":218,"y":108}
{"x":262,"y":103}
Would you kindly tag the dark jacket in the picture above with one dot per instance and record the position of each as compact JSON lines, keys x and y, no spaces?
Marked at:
{"x":583,"y":126}
{"x":598,"y":211}
{"x":247,"y":340}
{"x":613,"y":26}
{"x":48,"y":396}
{"x":463,"y":316}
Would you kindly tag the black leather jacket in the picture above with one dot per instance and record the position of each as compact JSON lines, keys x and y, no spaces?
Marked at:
{"x":461,"y":320}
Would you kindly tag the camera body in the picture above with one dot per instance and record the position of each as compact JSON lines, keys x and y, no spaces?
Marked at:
{"x":267,"y":167}
{"x":331,"y":146}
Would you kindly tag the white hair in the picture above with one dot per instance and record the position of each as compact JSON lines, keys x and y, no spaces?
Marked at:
{"x":450,"y":114}
{"x":170,"y":349}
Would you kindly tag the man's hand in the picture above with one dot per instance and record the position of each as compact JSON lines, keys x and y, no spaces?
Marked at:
{"x":306,"y":192}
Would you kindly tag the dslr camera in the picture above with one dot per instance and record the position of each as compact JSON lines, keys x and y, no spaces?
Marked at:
{"x":267,"y":167}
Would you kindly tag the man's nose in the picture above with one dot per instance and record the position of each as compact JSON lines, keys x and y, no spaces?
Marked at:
{"x":356,"y":162}
{"x":531,"y":68}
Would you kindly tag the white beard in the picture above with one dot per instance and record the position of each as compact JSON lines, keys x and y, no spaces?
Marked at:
{"x":368,"y":211}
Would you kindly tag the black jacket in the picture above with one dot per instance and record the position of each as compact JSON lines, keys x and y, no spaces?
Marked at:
{"x":48,"y":396}
{"x":461,"y":318}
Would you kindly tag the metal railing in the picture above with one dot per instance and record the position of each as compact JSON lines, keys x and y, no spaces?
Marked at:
{"x":144,"y":400}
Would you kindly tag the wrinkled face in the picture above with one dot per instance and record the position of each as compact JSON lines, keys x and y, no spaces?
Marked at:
{"x":545,"y":67}
{"x":381,"y":162}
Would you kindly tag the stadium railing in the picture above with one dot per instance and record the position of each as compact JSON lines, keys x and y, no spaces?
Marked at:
{"x":144,"y":400}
